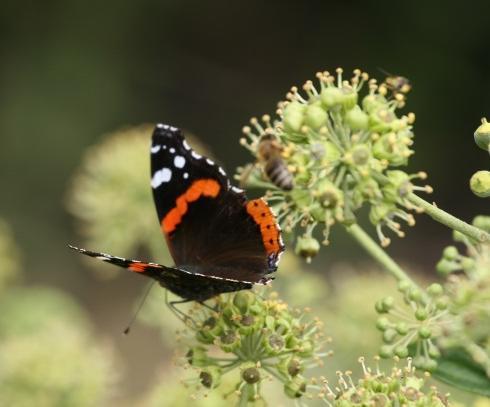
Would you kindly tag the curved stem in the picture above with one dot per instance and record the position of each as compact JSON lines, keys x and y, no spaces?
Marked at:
{"x":378,"y":253}
{"x":449,"y":220}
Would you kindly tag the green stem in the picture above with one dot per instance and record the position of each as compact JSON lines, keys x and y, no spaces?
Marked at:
{"x":449,"y":220}
{"x":378,"y":253}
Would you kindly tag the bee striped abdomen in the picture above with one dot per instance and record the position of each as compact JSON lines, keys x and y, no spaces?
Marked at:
{"x":278,"y":173}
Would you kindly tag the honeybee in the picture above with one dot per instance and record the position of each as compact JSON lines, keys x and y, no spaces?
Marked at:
{"x":396,"y":83}
{"x":269,"y":154}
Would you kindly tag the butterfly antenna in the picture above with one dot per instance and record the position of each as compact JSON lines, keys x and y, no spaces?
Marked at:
{"x":145,"y":296}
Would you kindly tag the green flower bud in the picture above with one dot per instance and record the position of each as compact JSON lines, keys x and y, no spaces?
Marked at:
{"x":385,"y":305}
{"x":242,"y":300}
{"x":357,"y":119}
{"x":360,"y":154}
{"x":211,"y":377}
{"x":300,"y":197}
{"x":450,"y":253}
{"x":293,"y":116}
{"x":383,"y":324}
{"x":378,"y":213}
{"x":424,"y":332}
{"x":389,"y":335}
{"x":247,"y":324}
{"x":435,"y":290}
{"x":251,"y":375}
{"x":434,"y":352}
{"x":274,"y":343}
{"x":404,"y":286}
{"x":446,"y":267}
{"x":315,"y":117}
{"x":480,"y":183}
{"x":307,"y":247}
{"x":374,"y":102}
{"x":306,"y":349}
{"x":421,"y":314}
{"x":229,"y":341}
{"x":331,"y":96}
{"x":401,"y":328}
{"x":467,"y":263}
{"x":381,"y":120}
{"x":389,"y":148}
{"x":482,"y":135}
{"x":401,"y":351}
{"x":197,"y":357}
{"x":482,"y":222}
{"x":348,"y":98}
{"x":386,"y":351}
{"x":331,"y":153}
{"x":328,"y":194}
{"x":415,"y":295}
{"x":295,"y":388}
{"x":430,"y":365}
{"x":295,"y":367}
{"x":442,"y":303}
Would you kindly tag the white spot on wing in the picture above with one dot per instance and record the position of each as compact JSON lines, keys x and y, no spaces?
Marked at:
{"x":210,"y":162}
{"x":179,"y":161}
{"x":196,"y":156}
{"x":186,"y":146}
{"x":222,"y":171}
{"x":186,"y":175}
{"x":161,"y":176}
{"x":172,"y":150}
{"x":155,"y":149}
{"x":237,"y":190}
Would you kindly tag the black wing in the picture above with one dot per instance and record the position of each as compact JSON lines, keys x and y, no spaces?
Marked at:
{"x":186,"y":284}
{"x":209,"y":225}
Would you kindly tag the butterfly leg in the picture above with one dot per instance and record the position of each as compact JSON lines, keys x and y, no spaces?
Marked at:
{"x":177,"y":312}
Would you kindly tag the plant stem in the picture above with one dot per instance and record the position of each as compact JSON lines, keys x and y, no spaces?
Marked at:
{"x":378,"y":253}
{"x":449,"y":220}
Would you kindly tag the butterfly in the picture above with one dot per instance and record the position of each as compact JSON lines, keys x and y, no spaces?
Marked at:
{"x":220,"y":241}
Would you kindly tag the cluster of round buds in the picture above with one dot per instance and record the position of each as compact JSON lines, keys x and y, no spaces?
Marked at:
{"x":400,"y":387}
{"x":468,"y":288}
{"x":336,"y":149}
{"x":261,"y":338}
{"x":415,"y":325}
{"x":480,"y":181}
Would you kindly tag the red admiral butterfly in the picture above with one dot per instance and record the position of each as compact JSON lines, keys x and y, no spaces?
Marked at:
{"x":220,"y":242}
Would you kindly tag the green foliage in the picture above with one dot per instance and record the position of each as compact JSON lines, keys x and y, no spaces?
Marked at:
{"x":9,"y":256}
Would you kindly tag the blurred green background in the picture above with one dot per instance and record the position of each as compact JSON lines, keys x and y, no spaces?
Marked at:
{"x":72,"y":71}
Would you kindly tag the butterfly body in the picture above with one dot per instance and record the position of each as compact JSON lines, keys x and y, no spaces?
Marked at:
{"x":220,"y":241}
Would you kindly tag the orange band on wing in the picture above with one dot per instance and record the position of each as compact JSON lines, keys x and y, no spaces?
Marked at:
{"x":263,"y":216}
{"x":203,"y":187}
{"x":137,"y":267}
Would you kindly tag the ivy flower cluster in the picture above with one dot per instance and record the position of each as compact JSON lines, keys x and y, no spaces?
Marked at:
{"x":258,"y":339}
{"x":480,"y":181}
{"x":343,"y":146}
{"x":400,"y":387}
{"x":453,"y":315}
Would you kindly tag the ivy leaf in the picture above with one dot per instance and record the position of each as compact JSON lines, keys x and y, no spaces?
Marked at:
{"x":456,"y":368}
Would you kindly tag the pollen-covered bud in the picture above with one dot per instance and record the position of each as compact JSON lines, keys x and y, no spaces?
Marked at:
{"x":307,"y":247}
{"x":480,"y":183}
{"x":210,"y":377}
{"x":295,"y":388}
{"x":357,"y":119}
{"x":331,"y":96}
{"x":293,"y":116}
{"x":482,"y":135}
{"x":315,"y":116}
